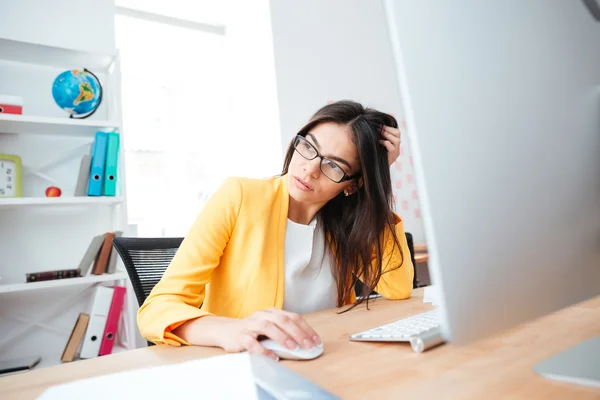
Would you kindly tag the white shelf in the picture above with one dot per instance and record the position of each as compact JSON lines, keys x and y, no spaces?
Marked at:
{"x":15,"y":124}
{"x":51,"y":56}
{"x":84,"y":280}
{"x":14,"y":202}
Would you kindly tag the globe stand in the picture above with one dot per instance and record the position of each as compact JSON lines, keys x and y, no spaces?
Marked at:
{"x":99,"y":97}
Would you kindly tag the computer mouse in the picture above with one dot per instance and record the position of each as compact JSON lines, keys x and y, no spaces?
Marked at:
{"x":299,"y":353}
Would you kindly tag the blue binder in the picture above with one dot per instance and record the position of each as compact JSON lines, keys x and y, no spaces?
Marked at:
{"x":112,"y":158}
{"x":98,"y":162}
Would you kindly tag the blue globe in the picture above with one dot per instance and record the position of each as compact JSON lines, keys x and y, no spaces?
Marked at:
{"x":78,"y":92}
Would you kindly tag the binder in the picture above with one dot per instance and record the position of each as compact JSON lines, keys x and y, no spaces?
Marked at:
{"x":101,"y":262}
{"x":84,"y":176}
{"x":112,"y":321}
{"x":70,"y":352}
{"x":11,"y":104}
{"x":98,"y":163}
{"x":97,"y":324}
{"x":112,"y":158}
{"x":112,"y":261}
{"x":91,"y":254}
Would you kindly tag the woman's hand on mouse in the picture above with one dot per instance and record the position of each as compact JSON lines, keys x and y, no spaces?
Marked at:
{"x":287,"y":328}
{"x":391,"y":141}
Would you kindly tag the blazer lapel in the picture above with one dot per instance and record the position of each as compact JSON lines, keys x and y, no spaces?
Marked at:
{"x":284,"y":201}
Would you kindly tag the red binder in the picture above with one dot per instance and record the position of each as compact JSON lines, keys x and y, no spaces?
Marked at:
{"x":11,"y":104}
{"x":10,"y":109}
{"x":112,"y":321}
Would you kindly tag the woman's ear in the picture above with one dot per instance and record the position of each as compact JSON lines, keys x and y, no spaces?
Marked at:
{"x":353,"y":187}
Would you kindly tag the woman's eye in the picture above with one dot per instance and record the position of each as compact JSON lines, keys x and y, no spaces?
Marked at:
{"x":335,"y":167}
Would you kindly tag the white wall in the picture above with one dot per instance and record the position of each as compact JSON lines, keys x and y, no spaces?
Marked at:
{"x":252,"y":90}
{"x":77,"y":24}
{"x":333,"y":50}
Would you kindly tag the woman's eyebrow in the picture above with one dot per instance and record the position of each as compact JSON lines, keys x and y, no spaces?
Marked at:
{"x":338,"y":159}
{"x":314,"y":139}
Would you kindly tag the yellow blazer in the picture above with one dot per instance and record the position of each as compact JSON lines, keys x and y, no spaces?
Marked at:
{"x":231,"y":262}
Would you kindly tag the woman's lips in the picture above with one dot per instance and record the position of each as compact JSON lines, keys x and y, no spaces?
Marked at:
{"x":303,"y":185}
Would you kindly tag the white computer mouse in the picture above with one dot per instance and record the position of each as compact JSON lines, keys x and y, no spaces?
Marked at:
{"x":299,"y":353}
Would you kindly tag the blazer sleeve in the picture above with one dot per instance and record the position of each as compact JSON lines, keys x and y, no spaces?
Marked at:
{"x":398,"y":271}
{"x":180,"y":292}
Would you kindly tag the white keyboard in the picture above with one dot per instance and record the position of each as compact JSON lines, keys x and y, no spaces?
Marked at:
{"x":421,"y":330}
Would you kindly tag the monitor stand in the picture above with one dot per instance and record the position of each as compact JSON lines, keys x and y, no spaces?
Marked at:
{"x":579,"y":364}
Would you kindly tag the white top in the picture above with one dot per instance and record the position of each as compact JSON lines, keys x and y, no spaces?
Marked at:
{"x":309,"y":282}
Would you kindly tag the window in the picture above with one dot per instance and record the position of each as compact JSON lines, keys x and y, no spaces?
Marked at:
{"x":184,"y":126}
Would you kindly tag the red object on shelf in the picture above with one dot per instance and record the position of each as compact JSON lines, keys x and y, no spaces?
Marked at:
{"x":10,"y":109}
{"x":11,"y":105}
{"x":53,"y":191}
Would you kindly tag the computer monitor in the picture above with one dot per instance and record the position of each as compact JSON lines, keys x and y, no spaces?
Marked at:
{"x":502,"y":103}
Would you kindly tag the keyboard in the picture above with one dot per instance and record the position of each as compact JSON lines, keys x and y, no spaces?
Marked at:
{"x":422,"y":331}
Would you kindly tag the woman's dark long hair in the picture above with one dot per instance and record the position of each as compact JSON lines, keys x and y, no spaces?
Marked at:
{"x":354,"y":225}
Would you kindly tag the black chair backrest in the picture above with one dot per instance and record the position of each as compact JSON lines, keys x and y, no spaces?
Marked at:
{"x":411,"y":247}
{"x":358,"y":286}
{"x":146,"y":260}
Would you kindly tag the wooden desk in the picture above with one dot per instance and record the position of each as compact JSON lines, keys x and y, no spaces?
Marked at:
{"x":499,"y":367}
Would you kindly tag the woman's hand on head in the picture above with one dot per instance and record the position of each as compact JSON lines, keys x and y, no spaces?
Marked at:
{"x":390,"y":138}
{"x":288,"y":329}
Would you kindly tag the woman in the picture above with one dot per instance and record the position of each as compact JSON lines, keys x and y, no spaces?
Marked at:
{"x":264,"y":251}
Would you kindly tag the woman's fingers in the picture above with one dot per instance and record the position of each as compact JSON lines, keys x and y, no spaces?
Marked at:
{"x":392,"y":131}
{"x":392,"y":137}
{"x":391,"y":140}
{"x":301,"y":322}
{"x":288,"y":329}
{"x":253,"y":346}
{"x":388,"y":145}
{"x":293,"y":329}
{"x":269,"y":328}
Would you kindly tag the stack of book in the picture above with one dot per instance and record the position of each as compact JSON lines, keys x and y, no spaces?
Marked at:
{"x":99,"y":258}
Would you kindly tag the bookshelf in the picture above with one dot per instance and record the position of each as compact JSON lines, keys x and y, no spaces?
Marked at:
{"x":15,"y":124}
{"x":61,"y":201}
{"x":51,"y":56}
{"x":40,"y":233}
{"x":57,"y":283}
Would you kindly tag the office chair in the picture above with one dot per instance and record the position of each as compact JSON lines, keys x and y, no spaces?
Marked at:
{"x":411,"y":247}
{"x":358,"y":286}
{"x":146,"y":260}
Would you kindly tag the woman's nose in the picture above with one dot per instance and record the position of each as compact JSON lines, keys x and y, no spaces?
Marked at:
{"x":313,"y":167}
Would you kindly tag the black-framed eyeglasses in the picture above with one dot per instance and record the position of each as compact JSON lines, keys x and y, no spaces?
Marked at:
{"x":329,"y":168}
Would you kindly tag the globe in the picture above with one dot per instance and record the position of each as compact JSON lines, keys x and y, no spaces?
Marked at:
{"x":78,"y":92}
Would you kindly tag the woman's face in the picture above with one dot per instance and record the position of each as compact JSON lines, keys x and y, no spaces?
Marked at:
{"x":307,"y":182}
